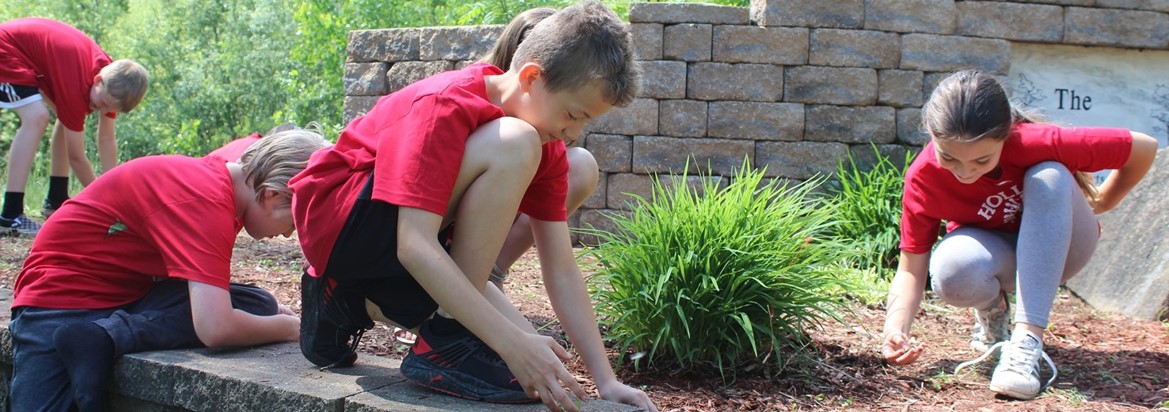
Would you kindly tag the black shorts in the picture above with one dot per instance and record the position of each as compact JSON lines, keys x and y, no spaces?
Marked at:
{"x":365,"y":260}
{"x":12,"y":93}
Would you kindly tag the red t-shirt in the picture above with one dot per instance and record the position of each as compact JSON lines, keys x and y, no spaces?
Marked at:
{"x":56,"y":58}
{"x":414,"y":139}
{"x":150,"y":218}
{"x":932,"y":193}
{"x":234,"y":149}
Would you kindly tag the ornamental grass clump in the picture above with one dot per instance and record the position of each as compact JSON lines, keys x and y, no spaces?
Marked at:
{"x":723,"y":279}
{"x":868,"y":203}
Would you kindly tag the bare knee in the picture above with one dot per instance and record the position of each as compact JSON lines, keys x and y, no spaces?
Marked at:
{"x":34,"y":118}
{"x":583,"y":175}
{"x":506,"y":143}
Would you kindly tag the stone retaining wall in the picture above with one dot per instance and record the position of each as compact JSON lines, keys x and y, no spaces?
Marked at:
{"x":791,"y":85}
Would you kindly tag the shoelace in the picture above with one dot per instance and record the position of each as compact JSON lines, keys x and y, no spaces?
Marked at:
{"x":355,"y":338}
{"x":1013,"y":362}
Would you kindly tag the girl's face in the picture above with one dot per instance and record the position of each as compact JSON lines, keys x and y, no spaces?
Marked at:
{"x":968,"y":161}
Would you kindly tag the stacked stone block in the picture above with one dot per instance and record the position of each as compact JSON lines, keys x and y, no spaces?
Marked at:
{"x":790,"y":85}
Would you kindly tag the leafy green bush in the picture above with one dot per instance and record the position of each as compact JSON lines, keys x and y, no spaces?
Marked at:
{"x":868,"y":201}
{"x":727,"y":278}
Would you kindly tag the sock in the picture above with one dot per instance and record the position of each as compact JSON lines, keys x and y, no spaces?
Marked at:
{"x":444,"y":326}
{"x":58,"y":191}
{"x":88,"y":353}
{"x":13,"y":205}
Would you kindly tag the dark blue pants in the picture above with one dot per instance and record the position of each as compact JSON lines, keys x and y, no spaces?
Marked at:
{"x":160,"y":320}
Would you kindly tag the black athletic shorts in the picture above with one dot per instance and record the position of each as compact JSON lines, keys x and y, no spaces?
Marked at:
{"x":365,"y":259}
{"x":12,"y":93}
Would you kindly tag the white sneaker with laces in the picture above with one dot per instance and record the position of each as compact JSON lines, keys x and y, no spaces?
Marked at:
{"x":991,"y":326}
{"x":1017,"y":374}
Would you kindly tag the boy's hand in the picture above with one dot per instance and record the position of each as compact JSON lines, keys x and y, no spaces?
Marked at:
{"x":537,"y":362}
{"x":900,"y":349}
{"x":622,"y":393}
{"x":285,"y":310}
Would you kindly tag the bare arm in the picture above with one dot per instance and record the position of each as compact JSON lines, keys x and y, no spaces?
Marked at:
{"x":905,"y":293}
{"x":218,"y":324}
{"x":1121,"y":181}
{"x":535,"y":360}
{"x":107,"y":145}
{"x":574,"y":309}
{"x":78,"y":161}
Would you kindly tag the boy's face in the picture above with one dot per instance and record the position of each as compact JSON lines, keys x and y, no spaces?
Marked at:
{"x":100,"y":100}
{"x":560,"y":115}
{"x":270,"y":217}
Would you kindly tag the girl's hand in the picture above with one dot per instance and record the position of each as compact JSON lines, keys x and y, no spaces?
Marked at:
{"x":284,"y":310}
{"x":622,"y":393}
{"x":900,"y":349}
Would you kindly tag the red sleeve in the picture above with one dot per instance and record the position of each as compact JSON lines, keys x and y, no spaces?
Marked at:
{"x":195,"y":239}
{"x":1091,"y":149}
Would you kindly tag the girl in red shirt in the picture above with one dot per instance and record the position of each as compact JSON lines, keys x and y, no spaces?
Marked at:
{"x":983,"y":160}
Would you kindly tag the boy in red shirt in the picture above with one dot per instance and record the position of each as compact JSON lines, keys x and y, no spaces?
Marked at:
{"x":140,"y":261}
{"x":985,"y":159}
{"x":48,"y":64}
{"x":469,"y":147}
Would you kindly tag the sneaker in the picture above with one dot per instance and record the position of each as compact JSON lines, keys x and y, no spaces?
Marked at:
{"x":498,"y":276}
{"x":1017,"y":374}
{"x":332,"y":322}
{"x":47,"y":209}
{"x":21,"y":225}
{"x":991,"y":326}
{"x":461,"y":365}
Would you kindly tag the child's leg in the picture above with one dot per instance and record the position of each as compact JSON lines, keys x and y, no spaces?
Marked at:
{"x":971,"y":267}
{"x":1055,"y":241}
{"x":160,"y":320}
{"x":34,"y":119}
{"x":1058,"y":234}
{"x":59,"y":168}
{"x":583,"y":175}
{"x":39,"y":379}
{"x":492,"y":180}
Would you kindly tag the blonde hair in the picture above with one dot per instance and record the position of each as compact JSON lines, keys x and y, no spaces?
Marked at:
{"x":583,"y":43}
{"x":272,"y":161}
{"x":971,"y":105}
{"x":126,"y":81}
{"x":504,"y":49}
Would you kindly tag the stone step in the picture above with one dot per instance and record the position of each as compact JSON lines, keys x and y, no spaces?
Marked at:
{"x":266,"y":378}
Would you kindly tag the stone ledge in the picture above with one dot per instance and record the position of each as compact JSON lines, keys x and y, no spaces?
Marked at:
{"x":264,"y":378}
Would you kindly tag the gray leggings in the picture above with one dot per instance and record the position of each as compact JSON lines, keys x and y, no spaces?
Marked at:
{"x":1057,"y":236}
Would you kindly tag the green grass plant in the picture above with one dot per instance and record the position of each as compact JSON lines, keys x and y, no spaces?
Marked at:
{"x":868,"y":200}
{"x":725,"y":278}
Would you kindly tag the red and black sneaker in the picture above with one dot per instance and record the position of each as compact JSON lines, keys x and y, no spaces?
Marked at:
{"x":461,"y":365}
{"x":332,"y":322}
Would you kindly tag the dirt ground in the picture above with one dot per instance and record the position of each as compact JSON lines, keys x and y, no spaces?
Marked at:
{"x":1106,"y":362}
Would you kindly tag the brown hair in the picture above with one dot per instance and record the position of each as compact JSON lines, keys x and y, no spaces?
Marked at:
{"x":272,"y":161}
{"x":971,"y":105}
{"x":583,"y":43}
{"x":126,"y":81}
{"x":515,"y":32}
